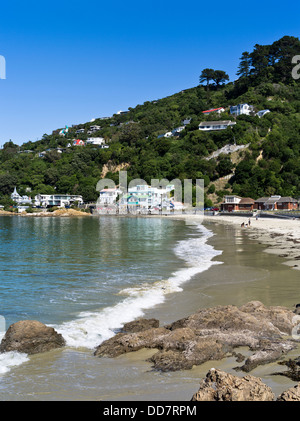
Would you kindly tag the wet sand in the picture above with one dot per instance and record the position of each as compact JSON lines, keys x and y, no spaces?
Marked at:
{"x":246,"y":273}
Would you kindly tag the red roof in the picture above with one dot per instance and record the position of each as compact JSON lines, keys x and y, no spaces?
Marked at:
{"x":214,"y":109}
{"x":78,"y":142}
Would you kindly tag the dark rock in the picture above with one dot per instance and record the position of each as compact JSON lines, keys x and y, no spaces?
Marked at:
{"x":31,"y":337}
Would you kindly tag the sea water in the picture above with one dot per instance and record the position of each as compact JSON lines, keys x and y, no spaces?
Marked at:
{"x":88,"y":276}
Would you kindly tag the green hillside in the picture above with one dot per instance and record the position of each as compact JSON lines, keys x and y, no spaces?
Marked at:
{"x":269,"y":164}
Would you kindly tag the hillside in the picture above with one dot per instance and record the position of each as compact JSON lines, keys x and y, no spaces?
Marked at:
{"x":269,"y":164}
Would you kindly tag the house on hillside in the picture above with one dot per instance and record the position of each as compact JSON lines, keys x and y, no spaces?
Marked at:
{"x":80,"y":131}
{"x":215,"y":125}
{"x":214,"y":110}
{"x":78,"y":142}
{"x":240,"y":109}
{"x":262,"y":113}
{"x":95,"y":141}
{"x":94,"y":128}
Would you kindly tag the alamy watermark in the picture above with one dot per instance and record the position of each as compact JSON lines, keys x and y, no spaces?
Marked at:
{"x":138,"y":197}
{"x":296,"y":69}
{"x":2,"y":67}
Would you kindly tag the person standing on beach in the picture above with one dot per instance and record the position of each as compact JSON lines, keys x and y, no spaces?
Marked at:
{"x":249,"y":222}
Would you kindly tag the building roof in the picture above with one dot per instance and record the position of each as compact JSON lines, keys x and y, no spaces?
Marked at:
{"x":247,"y":201}
{"x":212,"y":110}
{"x":287,"y":199}
{"x":216,"y":123}
{"x":262,"y":200}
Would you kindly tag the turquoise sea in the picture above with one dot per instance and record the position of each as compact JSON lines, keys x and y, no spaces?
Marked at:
{"x":86,"y":277}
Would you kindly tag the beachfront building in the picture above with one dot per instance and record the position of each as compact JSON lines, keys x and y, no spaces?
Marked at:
{"x":267,"y":203}
{"x":20,"y":200}
{"x":231,"y":203}
{"x":240,"y":109}
{"x":215,"y":125}
{"x":59,"y":200}
{"x":108,"y":197}
{"x":287,"y":203}
{"x":214,"y":110}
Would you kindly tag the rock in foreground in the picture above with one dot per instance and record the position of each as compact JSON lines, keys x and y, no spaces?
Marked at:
{"x":31,"y":337}
{"x":210,"y":334}
{"x":221,"y":386}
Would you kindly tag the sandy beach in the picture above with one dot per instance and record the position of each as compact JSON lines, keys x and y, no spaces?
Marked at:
{"x":281,"y":236}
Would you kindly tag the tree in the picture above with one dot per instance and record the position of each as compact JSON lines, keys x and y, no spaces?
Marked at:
{"x":206,"y":76}
{"x":220,"y":76}
{"x":245,"y":64}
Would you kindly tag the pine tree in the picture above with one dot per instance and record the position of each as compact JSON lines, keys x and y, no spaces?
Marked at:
{"x":245,"y":64}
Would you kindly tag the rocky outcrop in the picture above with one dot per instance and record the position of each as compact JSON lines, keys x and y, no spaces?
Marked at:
{"x":31,"y":337}
{"x":221,"y":386}
{"x":210,"y":334}
{"x":292,"y":394}
{"x":140,"y":325}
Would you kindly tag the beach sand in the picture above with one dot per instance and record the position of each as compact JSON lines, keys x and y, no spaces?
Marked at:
{"x":251,"y":267}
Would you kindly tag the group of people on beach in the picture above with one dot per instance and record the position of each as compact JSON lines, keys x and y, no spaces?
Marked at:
{"x":245,"y":224}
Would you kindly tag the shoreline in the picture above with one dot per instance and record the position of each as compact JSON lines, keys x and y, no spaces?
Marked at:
{"x":281,"y":236}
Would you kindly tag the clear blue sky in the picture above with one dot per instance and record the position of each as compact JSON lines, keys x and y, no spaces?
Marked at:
{"x":70,"y":61}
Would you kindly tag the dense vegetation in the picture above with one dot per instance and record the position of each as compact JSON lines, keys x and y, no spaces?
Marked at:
{"x":270,"y":165}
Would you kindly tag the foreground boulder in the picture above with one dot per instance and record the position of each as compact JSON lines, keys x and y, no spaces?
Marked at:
{"x":221,"y":386}
{"x":31,"y":337}
{"x":210,"y":334}
{"x":292,"y":394}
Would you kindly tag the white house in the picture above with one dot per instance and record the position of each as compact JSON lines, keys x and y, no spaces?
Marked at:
{"x":215,"y":125}
{"x":262,"y":113}
{"x":79,"y":131}
{"x":178,"y":130}
{"x":108,"y":196}
{"x":95,"y":141}
{"x":16,"y":197}
{"x":240,"y":109}
{"x":59,"y":200}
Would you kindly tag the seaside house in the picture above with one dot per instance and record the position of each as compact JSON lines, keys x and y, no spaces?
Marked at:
{"x":267,"y":203}
{"x":20,"y":200}
{"x":59,"y":200}
{"x":214,"y":110}
{"x":246,"y":204}
{"x":287,"y":203}
{"x":231,"y":203}
{"x":215,"y":125}
{"x":108,"y":196}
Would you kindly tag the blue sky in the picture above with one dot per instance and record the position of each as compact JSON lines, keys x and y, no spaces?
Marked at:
{"x":68,"y":62}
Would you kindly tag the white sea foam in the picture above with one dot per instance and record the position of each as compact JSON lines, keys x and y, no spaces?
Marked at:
{"x":91,"y":328}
